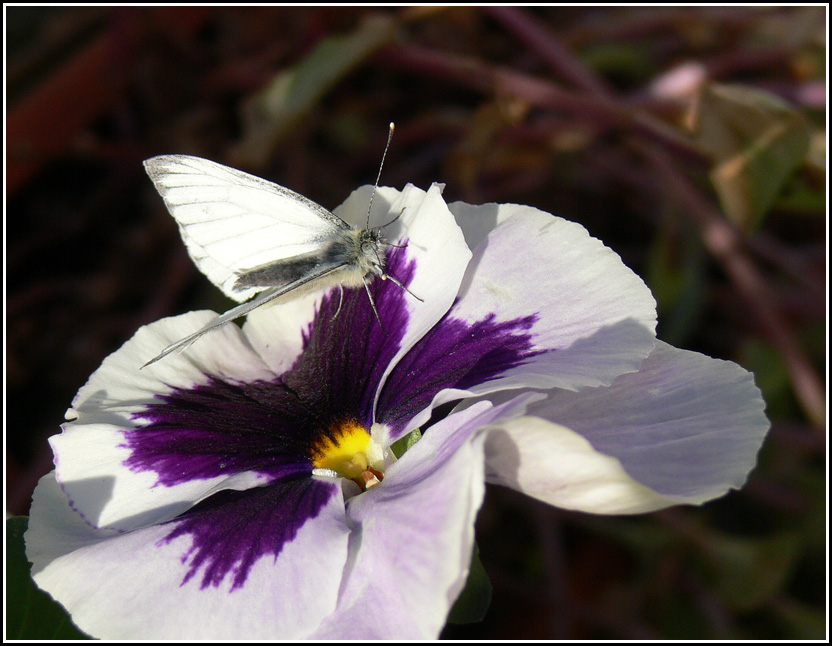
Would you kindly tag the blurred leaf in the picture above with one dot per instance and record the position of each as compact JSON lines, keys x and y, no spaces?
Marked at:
{"x":476,"y":147}
{"x":274,"y":112}
{"x":796,"y":29}
{"x":801,"y":197}
{"x":680,"y":619}
{"x":816,"y":158}
{"x":748,"y":572}
{"x":675,"y":274}
{"x":770,"y":369}
{"x":30,"y":612}
{"x":473,"y":601}
{"x":771,"y":376}
{"x":802,"y":622}
{"x":812,"y":479}
{"x":632,"y":61}
{"x":757,"y":142}
{"x":641,"y":534}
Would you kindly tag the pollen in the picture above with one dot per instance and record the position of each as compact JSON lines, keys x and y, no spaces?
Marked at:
{"x":350,"y":451}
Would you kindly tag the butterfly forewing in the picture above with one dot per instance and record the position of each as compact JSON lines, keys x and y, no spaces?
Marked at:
{"x":248,"y":235}
{"x":232,"y":222}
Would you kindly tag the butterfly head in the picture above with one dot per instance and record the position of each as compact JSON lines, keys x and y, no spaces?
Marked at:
{"x":372,"y":248}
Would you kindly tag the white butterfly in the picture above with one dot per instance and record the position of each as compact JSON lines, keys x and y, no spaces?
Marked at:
{"x":250,"y":236}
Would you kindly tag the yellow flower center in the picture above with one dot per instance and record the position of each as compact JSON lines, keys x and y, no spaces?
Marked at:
{"x":350,"y":451}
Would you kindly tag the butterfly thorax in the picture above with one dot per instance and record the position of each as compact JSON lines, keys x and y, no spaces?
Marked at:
{"x":353,"y":255}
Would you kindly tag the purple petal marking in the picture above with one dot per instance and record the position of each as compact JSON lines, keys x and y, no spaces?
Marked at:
{"x":344,"y":357}
{"x":453,"y":354}
{"x":232,"y":530}
{"x":222,"y":428}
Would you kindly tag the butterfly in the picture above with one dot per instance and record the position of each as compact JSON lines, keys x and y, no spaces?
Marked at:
{"x":252,"y":237}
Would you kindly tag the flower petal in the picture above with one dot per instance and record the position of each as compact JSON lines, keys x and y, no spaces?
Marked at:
{"x":434,"y":241}
{"x":684,"y":429}
{"x":277,"y":333}
{"x":414,"y":533}
{"x":95,"y":455}
{"x":556,"y":465}
{"x":542,"y":305}
{"x":431,"y":266}
{"x":263,"y":563}
{"x":594,"y":319}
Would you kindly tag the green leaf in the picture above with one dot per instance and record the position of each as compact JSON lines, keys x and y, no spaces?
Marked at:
{"x":402,"y":445}
{"x":30,"y":612}
{"x":771,"y":375}
{"x":757,"y":141}
{"x":273,"y":113}
{"x":632,"y":61}
{"x":675,"y":274}
{"x":803,"y":196}
{"x":800,"y":621}
{"x":749,"y":572}
{"x":473,"y":601}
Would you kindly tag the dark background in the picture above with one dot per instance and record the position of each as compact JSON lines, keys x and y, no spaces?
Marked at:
{"x":559,"y":108}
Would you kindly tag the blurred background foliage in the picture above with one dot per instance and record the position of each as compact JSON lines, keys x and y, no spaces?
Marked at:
{"x":690,"y":140}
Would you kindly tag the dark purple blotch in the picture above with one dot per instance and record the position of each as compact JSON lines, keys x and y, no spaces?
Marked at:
{"x":232,"y":530}
{"x":453,"y":354}
{"x":222,"y":428}
{"x":271,"y":427}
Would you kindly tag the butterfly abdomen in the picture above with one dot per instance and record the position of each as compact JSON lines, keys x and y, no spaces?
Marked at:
{"x":354,"y":254}
{"x":280,"y":272}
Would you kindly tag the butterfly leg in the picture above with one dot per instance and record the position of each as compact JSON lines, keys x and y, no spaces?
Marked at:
{"x":393,"y":279}
{"x":373,"y":304}
{"x":340,"y":303}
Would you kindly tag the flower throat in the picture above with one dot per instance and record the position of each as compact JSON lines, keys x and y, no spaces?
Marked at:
{"x":350,"y":451}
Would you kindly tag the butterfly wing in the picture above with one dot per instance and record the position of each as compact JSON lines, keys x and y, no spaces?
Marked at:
{"x":232,"y":222}
{"x":323,"y":275}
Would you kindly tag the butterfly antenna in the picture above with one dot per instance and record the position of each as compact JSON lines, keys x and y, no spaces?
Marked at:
{"x":378,"y":177}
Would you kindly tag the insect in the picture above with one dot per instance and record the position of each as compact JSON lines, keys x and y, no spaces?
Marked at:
{"x":252,"y":237}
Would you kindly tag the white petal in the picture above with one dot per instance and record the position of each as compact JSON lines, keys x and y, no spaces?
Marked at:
{"x":415,"y":533}
{"x":685,"y":427}
{"x":130,"y":586}
{"x":276,"y":332}
{"x":434,"y":241}
{"x":90,"y":453}
{"x":556,"y":465}
{"x":595,"y":318}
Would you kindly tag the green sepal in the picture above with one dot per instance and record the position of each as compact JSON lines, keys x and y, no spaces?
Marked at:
{"x":402,"y":445}
{"x":472,"y":603}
